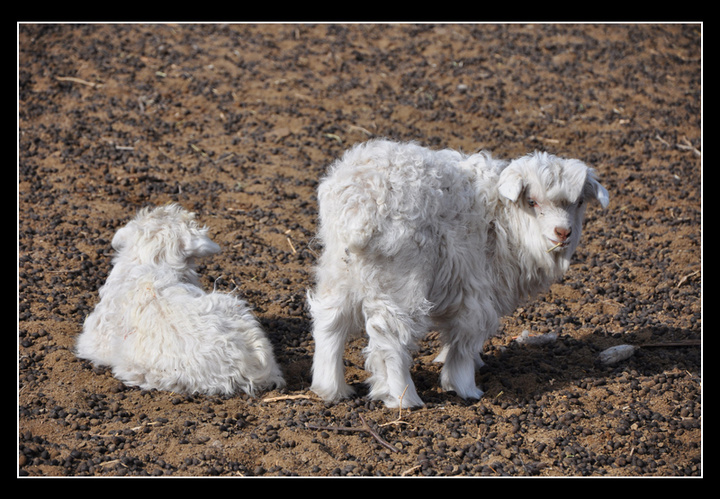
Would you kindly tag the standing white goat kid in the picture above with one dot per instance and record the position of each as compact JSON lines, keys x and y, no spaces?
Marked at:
{"x":157,"y":328}
{"x":416,"y":239}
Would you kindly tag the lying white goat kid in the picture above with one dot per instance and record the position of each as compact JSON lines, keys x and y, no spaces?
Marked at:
{"x":158,"y":329}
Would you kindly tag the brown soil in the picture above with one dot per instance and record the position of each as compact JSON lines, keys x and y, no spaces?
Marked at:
{"x":238,"y":122}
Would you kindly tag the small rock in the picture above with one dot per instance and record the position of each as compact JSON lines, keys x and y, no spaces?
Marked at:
{"x":616,"y":354}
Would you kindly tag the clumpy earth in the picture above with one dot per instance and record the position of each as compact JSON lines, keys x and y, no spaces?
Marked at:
{"x":238,"y":123}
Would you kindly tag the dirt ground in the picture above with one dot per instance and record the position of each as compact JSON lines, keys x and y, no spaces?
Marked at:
{"x":238,"y":123}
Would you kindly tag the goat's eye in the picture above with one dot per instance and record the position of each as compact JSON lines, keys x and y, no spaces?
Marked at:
{"x":531,"y":203}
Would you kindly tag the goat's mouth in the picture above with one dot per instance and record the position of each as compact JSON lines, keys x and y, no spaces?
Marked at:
{"x":556,"y":245}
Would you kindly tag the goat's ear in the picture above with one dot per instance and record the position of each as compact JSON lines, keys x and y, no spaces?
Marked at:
{"x":120,"y":238}
{"x":510,"y":184}
{"x":199,"y":244}
{"x":598,"y":191}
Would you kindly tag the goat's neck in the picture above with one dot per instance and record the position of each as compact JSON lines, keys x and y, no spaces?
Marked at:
{"x":522,"y":274}
{"x":186,"y":273}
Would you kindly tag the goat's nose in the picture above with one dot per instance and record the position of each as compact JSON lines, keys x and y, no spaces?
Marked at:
{"x":562,"y":233}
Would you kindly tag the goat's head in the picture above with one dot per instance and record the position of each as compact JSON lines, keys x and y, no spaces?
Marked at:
{"x":164,"y":235}
{"x":550,"y":194}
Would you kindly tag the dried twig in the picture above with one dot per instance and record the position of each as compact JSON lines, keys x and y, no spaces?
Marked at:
{"x":657,"y":136}
{"x":555,"y":247}
{"x":687,"y":146}
{"x":333,"y":137}
{"x":288,"y":397}
{"x":685,"y":278}
{"x":198,"y":150}
{"x":115,"y":433}
{"x":398,"y":420}
{"x":365,"y":428}
{"x":77,"y":80}
{"x":361,"y":129}
{"x":377,"y":437}
{"x":682,"y":343}
{"x":410,"y":470}
{"x":113,"y":462}
{"x":622,"y":352}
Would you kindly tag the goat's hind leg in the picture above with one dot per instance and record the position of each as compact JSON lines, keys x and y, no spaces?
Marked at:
{"x":333,"y":323}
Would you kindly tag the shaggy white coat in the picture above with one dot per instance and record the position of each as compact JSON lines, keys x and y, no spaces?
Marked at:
{"x":157,"y":329}
{"x":416,"y":239}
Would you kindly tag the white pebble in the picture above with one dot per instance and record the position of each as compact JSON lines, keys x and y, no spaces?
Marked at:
{"x":535,"y":339}
{"x":616,"y":354}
